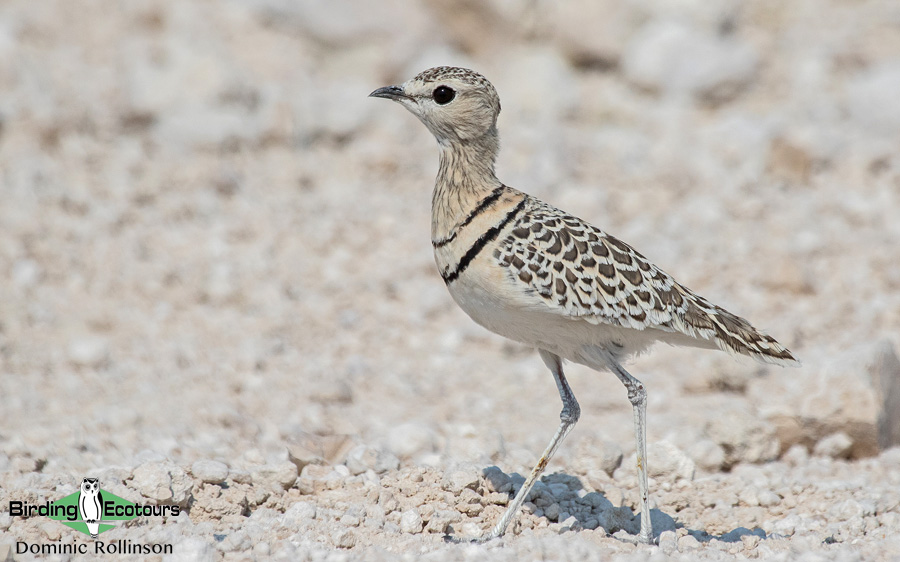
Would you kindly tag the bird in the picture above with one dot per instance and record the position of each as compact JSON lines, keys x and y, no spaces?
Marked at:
{"x":540,"y":276}
{"x":90,"y":502}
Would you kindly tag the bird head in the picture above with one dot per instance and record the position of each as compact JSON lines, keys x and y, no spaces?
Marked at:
{"x":456,"y":104}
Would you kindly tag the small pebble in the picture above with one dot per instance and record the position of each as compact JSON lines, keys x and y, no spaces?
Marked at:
{"x":344,"y":538}
{"x":461,"y":476}
{"x":411,"y":522}
{"x":209,"y":471}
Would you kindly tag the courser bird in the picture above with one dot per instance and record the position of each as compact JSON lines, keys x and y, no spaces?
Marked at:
{"x":537,"y":275}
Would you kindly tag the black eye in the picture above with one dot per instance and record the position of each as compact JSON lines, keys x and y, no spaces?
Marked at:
{"x":443,"y":95}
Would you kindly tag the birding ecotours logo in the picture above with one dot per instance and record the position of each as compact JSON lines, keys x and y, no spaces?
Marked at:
{"x":86,"y":510}
{"x":90,"y":510}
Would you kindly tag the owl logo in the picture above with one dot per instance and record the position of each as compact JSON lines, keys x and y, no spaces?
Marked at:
{"x":90,"y":502}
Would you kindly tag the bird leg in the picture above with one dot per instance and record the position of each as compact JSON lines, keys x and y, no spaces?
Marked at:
{"x":638,"y":398}
{"x":567,"y":417}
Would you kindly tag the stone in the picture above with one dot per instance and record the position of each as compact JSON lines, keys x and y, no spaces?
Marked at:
{"x":551,"y":512}
{"x":674,"y":59}
{"x":164,"y":482}
{"x":837,"y":446}
{"x":88,"y":351}
{"x":568,"y":523}
{"x":411,"y":522}
{"x":667,"y":462}
{"x":275,"y":476}
{"x":737,"y":535}
{"x":592,"y":34}
{"x":364,"y":457}
{"x":461,"y":476}
{"x":855,"y":392}
{"x":496,"y":480}
{"x":688,"y":542}
{"x":871,"y":100}
{"x":707,"y":454}
{"x":594,"y":454}
{"x":305,"y":448}
{"x":344,"y":538}
{"x":441,"y":519}
{"x":26,"y":272}
{"x":299,"y":514}
{"x":743,"y":436}
{"x":618,"y":518}
{"x":668,"y":542}
{"x":209,"y":471}
{"x":768,"y":498}
{"x":409,"y":439}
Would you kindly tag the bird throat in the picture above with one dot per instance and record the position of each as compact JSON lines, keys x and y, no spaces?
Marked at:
{"x":465,"y":177}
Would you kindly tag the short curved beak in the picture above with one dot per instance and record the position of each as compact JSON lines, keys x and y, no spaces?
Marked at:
{"x":389,"y":92}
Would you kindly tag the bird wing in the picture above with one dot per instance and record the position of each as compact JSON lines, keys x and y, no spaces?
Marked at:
{"x":580,"y":271}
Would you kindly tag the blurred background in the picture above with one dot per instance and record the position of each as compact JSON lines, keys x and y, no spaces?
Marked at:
{"x":212,"y":243}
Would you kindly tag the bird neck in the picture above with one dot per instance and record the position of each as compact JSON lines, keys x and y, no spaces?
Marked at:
{"x":465,"y":177}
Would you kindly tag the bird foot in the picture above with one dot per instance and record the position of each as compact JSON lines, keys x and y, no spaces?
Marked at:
{"x":636,"y":539}
{"x":471,"y":540}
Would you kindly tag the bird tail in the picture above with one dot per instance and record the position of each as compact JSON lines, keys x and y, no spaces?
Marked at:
{"x":733,"y":334}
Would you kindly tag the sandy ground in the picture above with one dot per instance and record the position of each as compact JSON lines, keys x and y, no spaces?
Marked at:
{"x":217,"y":289}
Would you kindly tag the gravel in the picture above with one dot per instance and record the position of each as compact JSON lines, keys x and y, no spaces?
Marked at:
{"x":215,"y":237}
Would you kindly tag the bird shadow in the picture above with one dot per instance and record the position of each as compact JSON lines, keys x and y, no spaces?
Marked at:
{"x":595,"y":510}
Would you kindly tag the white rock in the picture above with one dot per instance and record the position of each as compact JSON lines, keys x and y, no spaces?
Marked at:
{"x":275,"y":476}
{"x":837,"y":445}
{"x":749,"y":496}
{"x":708,"y":454}
{"x":342,"y":22}
{"x":743,"y":435}
{"x":362,"y":458}
{"x":568,"y":523}
{"x":299,"y":514}
{"x":163,"y":482}
{"x":89,"y":351}
{"x":872,"y":99}
{"x":192,"y":549}
{"x":593,"y":33}
{"x":209,"y":471}
{"x":673,"y":58}
{"x":711,"y":17}
{"x":688,"y":542}
{"x":411,"y":522}
{"x":667,"y":462}
{"x":600,"y":454}
{"x":26,"y":272}
{"x":411,"y":438}
{"x":550,"y":90}
{"x":344,"y":538}
{"x":668,"y":542}
{"x":461,"y":476}
{"x":796,"y":455}
{"x":854,"y":392}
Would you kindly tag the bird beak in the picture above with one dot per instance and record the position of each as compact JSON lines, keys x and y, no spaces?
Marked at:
{"x":389,"y":92}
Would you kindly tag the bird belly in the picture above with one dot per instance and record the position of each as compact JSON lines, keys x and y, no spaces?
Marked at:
{"x":493,"y":300}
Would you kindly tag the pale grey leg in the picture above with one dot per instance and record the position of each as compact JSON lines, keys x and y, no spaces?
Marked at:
{"x":638,"y":398}
{"x":567,"y":418}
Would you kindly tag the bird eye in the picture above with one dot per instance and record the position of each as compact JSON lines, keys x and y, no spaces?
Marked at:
{"x":443,"y":95}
